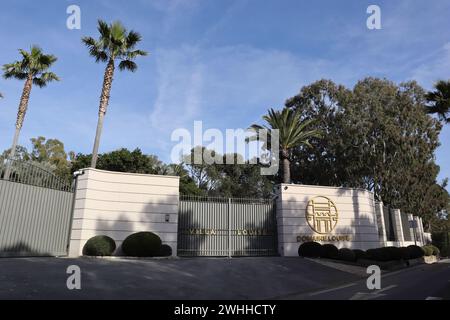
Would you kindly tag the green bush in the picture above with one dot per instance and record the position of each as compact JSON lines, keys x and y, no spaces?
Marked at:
{"x":360,"y":254}
{"x":431,"y":250}
{"x":428,"y":251}
{"x":405,"y":253}
{"x":142,"y":244}
{"x":415,"y":252}
{"x":310,"y":249}
{"x":346,"y":254}
{"x":165,"y":251}
{"x":329,"y":251}
{"x":99,"y":246}
{"x":436,"y":251}
{"x":385,"y":254}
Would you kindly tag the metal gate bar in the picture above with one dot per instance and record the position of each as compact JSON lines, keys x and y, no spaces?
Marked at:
{"x":214,"y":226}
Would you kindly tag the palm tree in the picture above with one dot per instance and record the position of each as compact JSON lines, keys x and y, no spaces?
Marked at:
{"x":440,"y":100}
{"x":33,"y":68}
{"x":293,"y":132}
{"x":114,"y":43}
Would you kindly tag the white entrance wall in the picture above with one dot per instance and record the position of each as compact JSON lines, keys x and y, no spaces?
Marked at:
{"x":118,"y":204}
{"x":356,"y":217}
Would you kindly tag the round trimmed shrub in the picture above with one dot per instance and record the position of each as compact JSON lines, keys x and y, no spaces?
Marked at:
{"x":405,"y":253}
{"x":436,"y":251}
{"x":329,"y":251}
{"x":165,"y":251}
{"x":428,"y":250}
{"x":346,"y":254}
{"x":360,"y":254}
{"x":142,"y":244}
{"x":310,"y":249}
{"x":99,"y":246}
{"x":415,"y":252}
{"x":385,"y":254}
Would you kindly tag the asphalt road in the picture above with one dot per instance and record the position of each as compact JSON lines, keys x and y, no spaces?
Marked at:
{"x":422,"y":282}
{"x":212,"y":279}
{"x":184,"y":279}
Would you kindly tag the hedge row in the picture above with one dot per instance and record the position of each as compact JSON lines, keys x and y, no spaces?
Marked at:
{"x":140,"y":244}
{"x":316,"y":250}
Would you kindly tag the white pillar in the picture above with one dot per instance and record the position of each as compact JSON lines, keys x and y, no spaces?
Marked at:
{"x":418,"y":231}
{"x":411,"y":230}
{"x":381,"y":223}
{"x":398,"y":228}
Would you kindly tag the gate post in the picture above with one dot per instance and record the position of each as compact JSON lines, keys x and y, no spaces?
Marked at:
{"x":229,"y":227}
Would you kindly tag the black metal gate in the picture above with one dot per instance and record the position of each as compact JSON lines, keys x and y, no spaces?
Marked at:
{"x":212,"y":226}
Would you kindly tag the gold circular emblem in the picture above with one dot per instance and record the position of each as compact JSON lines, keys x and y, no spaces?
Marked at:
{"x":322,"y":215}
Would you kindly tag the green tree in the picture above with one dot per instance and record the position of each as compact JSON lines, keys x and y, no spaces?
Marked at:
{"x":121,"y":160}
{"x":33,"y":68}
{"x":439,"y":100}
{"x":378,"y":137}
{"x":115,"y":43}
{"x":293,"y":132}
{"x":240,"y":178}
{"x":51,"y":152}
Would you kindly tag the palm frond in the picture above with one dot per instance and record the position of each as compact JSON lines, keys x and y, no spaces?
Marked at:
{"x":133,"y":38}
{"x":127,"y":65}
{"x":95,"y":49}
{"x":14,"y":70}
{"x":44,"y":79}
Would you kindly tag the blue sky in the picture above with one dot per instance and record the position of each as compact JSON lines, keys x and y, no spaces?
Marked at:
{"x":223,"y":62}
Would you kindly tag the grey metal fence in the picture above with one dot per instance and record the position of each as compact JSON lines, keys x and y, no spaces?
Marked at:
{"x":35,"y":211}
{"x":213,"y":226}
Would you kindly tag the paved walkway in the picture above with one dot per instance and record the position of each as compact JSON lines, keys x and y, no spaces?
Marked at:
{"x":199,"y":278}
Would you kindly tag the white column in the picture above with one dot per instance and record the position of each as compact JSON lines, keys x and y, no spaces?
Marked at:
{"x":411,"y":230}
{"x":418,"y":231}
{"x":380,"y":221}
{"x":398,"y":228}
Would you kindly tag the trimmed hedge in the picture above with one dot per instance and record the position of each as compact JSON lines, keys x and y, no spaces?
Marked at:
{"x":99,"y":246}
{"x":310,"y":249}
{"x":360,"y":254}
{"x":385,"y":254}
{"x":142,"y":244}
{"x":329,"y":251}
{"x":415,"y":252}
{"x":165,"y":251}
{"x":346,"y":254}
{"x":406,"y":254}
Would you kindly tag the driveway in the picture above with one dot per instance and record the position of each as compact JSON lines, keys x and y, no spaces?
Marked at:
{"x":182,"y":278}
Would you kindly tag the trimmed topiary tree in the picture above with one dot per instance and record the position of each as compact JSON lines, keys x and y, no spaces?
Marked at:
{"x":415,"y":252}
{"x":142,"y":244}
{"x":329,"y":251}
{"x":165,"y":251}
{"x":346,"y":254}
{"x":385,"y":254}
{"x":310,"y":249}
{"x":427,"y":251}
{"x":436,"y":251}
{"x":99,"y":246}
{"x":360,"y":254}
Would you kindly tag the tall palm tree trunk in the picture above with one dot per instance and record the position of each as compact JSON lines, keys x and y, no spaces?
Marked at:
{"x":104,"y":100}
{"x":23,"y":105}
{"x":286,"y":171}
{"x":286,"y":166}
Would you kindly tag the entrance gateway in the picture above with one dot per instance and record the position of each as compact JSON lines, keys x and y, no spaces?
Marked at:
{"x":226,"y":227}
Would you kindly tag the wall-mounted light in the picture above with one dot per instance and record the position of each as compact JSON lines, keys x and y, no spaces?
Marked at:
{"x":167,"y":217}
